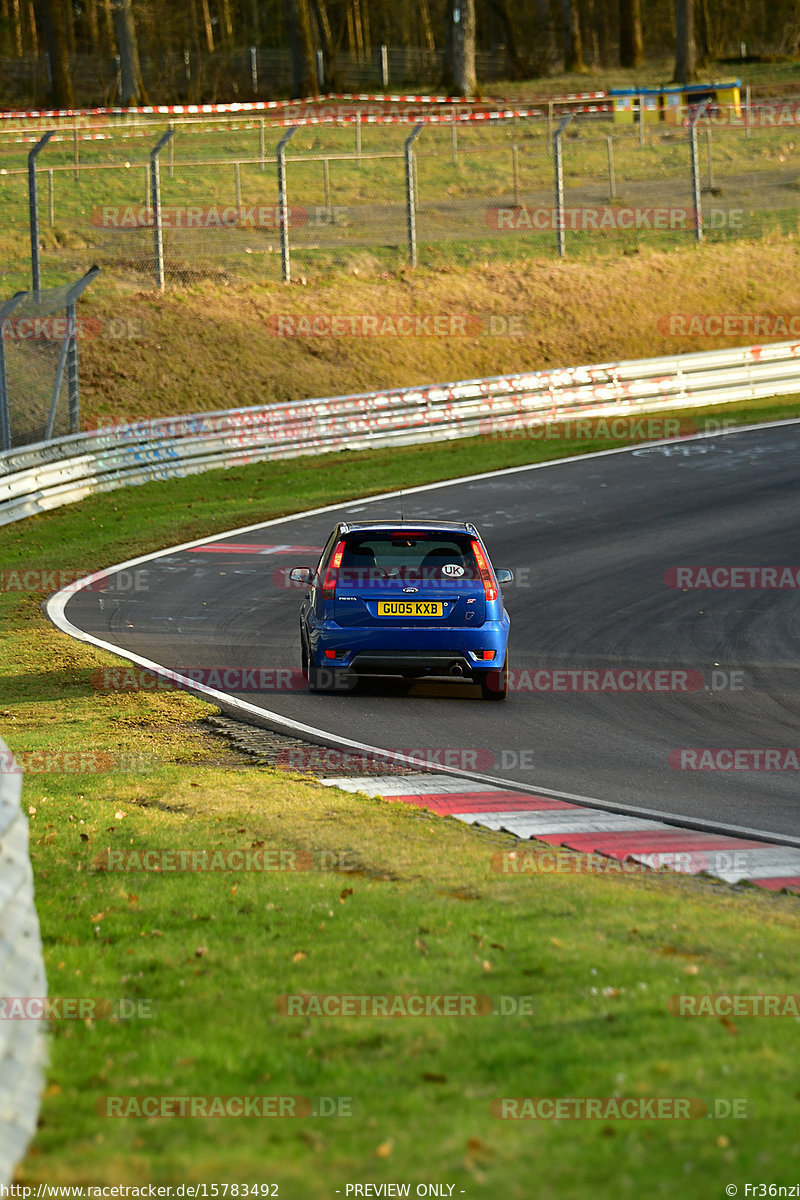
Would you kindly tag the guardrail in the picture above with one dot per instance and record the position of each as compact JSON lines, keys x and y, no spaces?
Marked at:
{"x":22,"y":1050}
{"x":46,"y":475}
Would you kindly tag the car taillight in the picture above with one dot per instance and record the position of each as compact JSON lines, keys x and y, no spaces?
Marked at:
{"x":331,"y":575}
{"x":489,"y":587}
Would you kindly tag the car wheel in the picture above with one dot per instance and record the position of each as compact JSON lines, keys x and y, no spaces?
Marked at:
{"x":494,"y":684}
{"x":311,"y":672}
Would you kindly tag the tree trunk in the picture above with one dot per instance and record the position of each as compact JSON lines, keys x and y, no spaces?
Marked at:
{"x":630,"y":33}
{"x":462,"y":25}
{"x":546,"y":44}
{"x":685,"y":52}
{"x":515,"y":64}
{"x":298,"y":22}
{"x":50,"y":15}
{"x":132,"y":88}
{"x":573,"y":47}
{"x":17,"y":28}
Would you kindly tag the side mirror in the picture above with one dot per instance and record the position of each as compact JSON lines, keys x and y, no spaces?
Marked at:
{"x":301,"y":575}
{"x":505,"y":576}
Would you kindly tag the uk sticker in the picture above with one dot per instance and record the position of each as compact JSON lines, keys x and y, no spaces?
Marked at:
{"x":452,"y":571}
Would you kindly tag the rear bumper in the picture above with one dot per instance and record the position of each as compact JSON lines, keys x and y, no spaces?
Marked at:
{"x":375,"y":651}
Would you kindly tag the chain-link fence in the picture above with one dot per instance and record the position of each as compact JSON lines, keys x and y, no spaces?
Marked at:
{"x":373,"y":193}
{"x":39,"y":336}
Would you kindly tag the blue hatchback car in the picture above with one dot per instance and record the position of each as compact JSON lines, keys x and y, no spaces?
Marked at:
{"x":408,"y":598}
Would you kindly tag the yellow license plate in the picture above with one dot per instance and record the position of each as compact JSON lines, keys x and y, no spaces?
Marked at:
{"x":410,"y":608}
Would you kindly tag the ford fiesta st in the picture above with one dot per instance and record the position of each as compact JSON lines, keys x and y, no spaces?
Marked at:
{"x":414,"y":599}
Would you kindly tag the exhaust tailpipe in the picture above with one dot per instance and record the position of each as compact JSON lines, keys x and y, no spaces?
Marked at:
{"x":456,"y":669}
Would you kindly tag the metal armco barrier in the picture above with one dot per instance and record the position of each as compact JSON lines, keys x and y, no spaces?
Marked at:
{"x":22,"y":1048}
{"x":46,"y":475}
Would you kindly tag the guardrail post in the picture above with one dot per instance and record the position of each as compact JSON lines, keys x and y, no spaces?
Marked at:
{"x":411,"y":195}
{"x":5,"y":418}
{"x":33,"y":210}
{"x":283,"y":207}
{"x":559,"y":180}
{"x":695,"y":165}
{"x":155,"y":188}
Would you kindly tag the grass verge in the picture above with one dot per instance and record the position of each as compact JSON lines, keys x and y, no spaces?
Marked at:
{"x":415,"y":906}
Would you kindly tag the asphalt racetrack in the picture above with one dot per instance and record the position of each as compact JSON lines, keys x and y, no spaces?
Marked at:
{"x":591,"y":541}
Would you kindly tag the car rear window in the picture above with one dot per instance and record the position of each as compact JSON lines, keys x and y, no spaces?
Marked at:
{"x":418,"y":557}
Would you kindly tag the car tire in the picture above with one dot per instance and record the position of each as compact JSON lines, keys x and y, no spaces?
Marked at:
{"x":494,"y":684}
{"x":309,"y":670}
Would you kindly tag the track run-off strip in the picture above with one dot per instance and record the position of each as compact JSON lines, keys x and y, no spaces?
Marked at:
{"x":589,"y":830}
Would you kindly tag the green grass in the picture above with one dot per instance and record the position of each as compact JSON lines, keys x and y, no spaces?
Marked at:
{"x":598,"y":956}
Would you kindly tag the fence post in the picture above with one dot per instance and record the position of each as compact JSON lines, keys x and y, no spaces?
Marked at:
{"x":709,"y":163}
{"x":171,"y":152}
{"x":5,"y":419}
{"x":641,"y":120}
{"x":50,"y":200}
{"x":254,"y":70}
{"x":69,"y":359}
{"x":411,"y":197}
{"x":155,"y":184}
{"x":384,"y":66}
{"x":262,"y":146}
{"x":237,"y":183}
{"x":75,"y":152}
{"x":695,"y":165}
{"x":33,"y":210}
{"x":515,"y":171}
{"x":320,"y":69}
{"x":454,"y":139}
{"x":283,"y":207}
{"x":559,"y":171}
{"x":358,"y":137}
{"x":612,"y":181}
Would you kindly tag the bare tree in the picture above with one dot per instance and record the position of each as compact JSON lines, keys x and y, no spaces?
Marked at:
{"x":130,"y":74}
{"x":630,"y":34}
{"x":685,"y":51}
{"x":573,"y":45}
{"x":52,"y":20}
{"x":462,"y":42}
{"x":301,"y":45}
